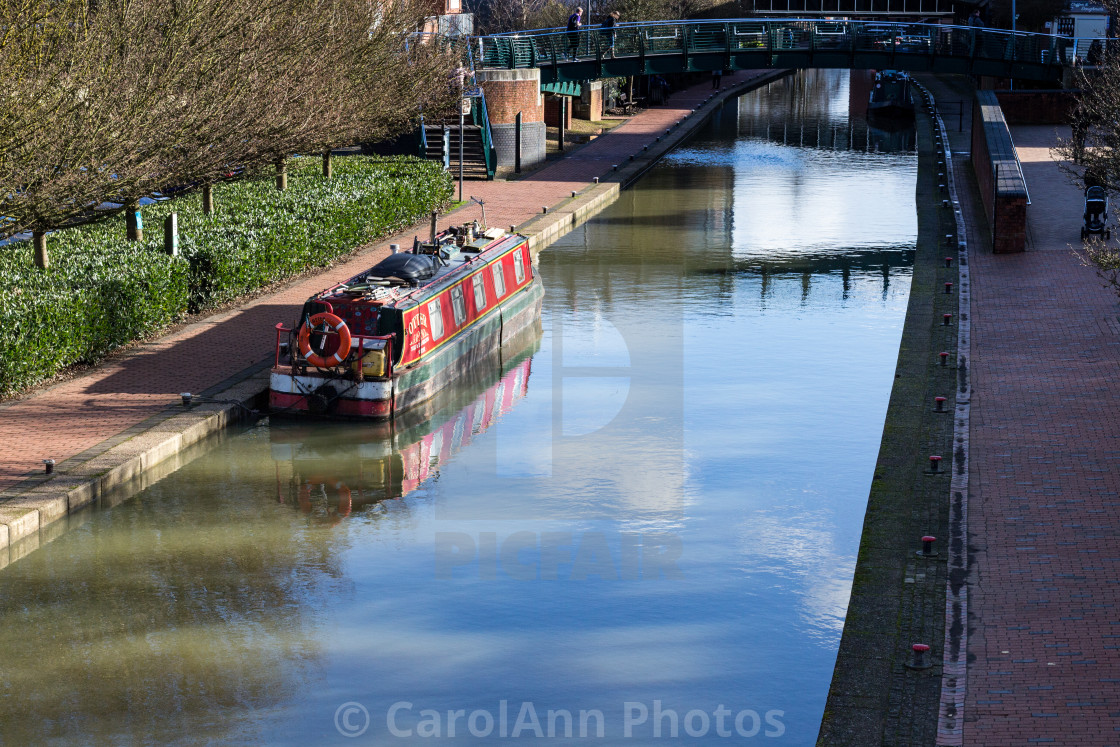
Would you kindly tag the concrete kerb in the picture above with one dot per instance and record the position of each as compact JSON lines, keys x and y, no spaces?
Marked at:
{"x":25,"y":515}
{"x":45,"y":501}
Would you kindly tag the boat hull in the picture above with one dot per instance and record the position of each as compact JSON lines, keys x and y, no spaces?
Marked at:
{"x":382,"y":399}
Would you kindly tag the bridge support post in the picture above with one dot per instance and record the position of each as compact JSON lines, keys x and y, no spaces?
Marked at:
{"x":510,"y":93}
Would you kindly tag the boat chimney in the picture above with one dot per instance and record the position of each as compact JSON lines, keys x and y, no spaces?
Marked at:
{"x":434,"y":214}
{"x":394,"y":248}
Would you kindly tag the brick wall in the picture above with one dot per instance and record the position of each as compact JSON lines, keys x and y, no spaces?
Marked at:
{"x":505,"y":142}
{"x":510,"y":92}
{"x":589,"y":105}
{"x":1037,"y":107}
{"x":1002,"y":189}
{"x":552,"y":111}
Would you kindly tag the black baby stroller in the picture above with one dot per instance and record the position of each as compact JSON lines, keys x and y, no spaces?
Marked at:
{"x":1096,"y":205}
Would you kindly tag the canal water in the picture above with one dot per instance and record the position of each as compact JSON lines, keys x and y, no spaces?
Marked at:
{"x":644,"y":524}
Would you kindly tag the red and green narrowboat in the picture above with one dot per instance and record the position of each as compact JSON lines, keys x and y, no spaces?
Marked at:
{"x":391,"y":337}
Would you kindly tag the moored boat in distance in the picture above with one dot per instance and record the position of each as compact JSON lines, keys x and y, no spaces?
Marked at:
{"x":891,"y":95}
{"x":391,"y":337}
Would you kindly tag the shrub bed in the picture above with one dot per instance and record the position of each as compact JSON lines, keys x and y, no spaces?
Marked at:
{"x":102,"y":291}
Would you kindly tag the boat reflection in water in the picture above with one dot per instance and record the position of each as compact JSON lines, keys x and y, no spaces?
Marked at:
{"x":329,"y":470}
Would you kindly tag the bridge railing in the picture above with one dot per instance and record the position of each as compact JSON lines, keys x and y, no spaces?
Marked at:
{"x":778,"y":38}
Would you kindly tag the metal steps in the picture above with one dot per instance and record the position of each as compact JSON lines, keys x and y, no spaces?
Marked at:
{"x":447,"y":134}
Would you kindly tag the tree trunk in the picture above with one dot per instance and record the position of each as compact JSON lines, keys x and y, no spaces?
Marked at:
{"x":134,"y":222}
{"x":39,"y":239}
{"x":208,"y":199}
{"x":327,"y":170}
{"x":281,"y":175}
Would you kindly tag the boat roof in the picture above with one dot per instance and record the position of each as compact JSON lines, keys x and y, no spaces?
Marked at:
{"x":459,"y":256}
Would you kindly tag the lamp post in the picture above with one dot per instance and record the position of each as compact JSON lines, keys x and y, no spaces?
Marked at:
{"x":1014,"y":44}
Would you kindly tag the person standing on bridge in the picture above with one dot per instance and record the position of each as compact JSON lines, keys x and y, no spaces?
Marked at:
{"x":608,"y":31}
{"x":575,"y":20}
{"x":974,"y":19}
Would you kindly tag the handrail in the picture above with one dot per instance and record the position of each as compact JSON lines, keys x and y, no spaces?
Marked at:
{"x":356,"y":341}
{"x":481,"y":117}
{"x":778,"y":42}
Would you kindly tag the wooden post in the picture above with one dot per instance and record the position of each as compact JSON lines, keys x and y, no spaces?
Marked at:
{"x":171,"y":234}
{"x":208,"y":199}
{"x":327,"y":167}
{"x":39,"y":239}
{"x":281,"y":175}
{"x":133,"y":221}
{"x":563,"y":119}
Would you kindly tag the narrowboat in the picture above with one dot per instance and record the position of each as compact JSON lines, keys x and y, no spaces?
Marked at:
{"x":891,"y":96}
{"x":388,"y":339}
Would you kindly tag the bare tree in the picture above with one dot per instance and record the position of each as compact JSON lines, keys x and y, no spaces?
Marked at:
{"x":1091,"y":155}
{"x":99,"y":109}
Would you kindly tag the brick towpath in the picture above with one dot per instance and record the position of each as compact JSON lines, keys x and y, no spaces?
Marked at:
{"x":76,"y":418}
{"x":1044,"y":503}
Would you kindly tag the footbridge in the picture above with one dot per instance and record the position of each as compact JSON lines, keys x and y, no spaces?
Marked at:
{"x":664,"y":47}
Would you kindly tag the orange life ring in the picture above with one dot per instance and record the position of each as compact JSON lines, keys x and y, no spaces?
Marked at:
{"x":332,"y":322}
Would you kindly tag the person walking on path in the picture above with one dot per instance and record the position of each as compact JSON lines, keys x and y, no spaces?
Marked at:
{"x":717,"y":78}
{"x":608,"y":31}
{"x":575,"y":20}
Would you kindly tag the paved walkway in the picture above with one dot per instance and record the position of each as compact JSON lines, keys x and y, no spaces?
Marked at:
{"x":67,"y":420}
{"x":1044,"y":510}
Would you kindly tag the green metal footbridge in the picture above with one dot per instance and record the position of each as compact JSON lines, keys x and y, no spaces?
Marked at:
{"x":745,"y":44}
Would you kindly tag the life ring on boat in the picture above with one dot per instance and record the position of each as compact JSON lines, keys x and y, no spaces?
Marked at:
{"x":331,"y":322}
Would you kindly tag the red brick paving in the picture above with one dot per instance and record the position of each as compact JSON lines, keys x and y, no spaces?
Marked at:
{"x":1044,"y":512}
{"x":71,"y":417}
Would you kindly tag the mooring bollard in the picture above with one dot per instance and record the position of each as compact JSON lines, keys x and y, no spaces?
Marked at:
{"x":48,"y":466}
{"x":544,"y":209}
{"x":927,"y":550}
{"x":945,"y":319}
{"x":948,"y":287}
{"x":934,"y":463}
{"x":939,"y":404}
{"x":944,"y":358}
{"x":948,"y":261}
{"x":919,"y":656}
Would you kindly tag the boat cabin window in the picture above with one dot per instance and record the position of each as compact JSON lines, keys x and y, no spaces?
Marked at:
{"x":458,"y":305}
{"x":518,"y":267}
{"x":435,"y":319}
{"x":499,"y":280}
{"x":479,"y":292}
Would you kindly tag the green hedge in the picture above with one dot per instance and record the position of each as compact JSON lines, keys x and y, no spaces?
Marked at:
{"x":102,"y":291}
